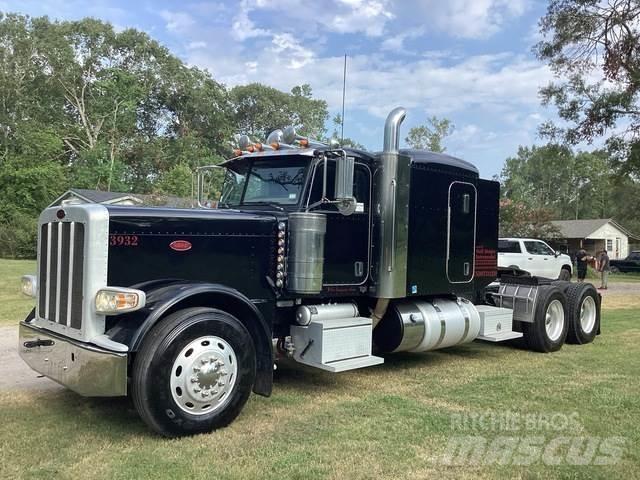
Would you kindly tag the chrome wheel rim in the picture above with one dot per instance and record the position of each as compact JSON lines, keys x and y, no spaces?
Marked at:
{"x":554,"y":320}
{"x":203,"y":375}
{"x":588,"y":313}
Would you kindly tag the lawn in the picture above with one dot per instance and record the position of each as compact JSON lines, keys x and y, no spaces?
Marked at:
{"x":391,"y":421}
{"x":13,"y":305}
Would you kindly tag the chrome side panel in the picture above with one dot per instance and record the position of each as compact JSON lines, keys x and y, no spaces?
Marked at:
{"x":392,"y":217}
{"x":85,"y":369}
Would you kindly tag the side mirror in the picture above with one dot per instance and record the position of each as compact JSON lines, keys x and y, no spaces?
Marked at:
{"x":345,"y":200}
{"x":558,"y":253}
{"x":206,"y":185}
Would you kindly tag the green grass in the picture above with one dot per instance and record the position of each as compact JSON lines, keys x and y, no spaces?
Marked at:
{"x":593,"y":275}
{"x":14,"y":306}
{"x":391,"y":421}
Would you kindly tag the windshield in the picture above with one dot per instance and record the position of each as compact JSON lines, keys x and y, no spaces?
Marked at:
{"x":264,"y":181}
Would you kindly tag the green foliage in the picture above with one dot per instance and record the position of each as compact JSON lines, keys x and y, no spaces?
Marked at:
{"x":87,"y":106}
{"x":552,"y":182}
{"x":518,"y":219}
{"x":587,"y":40}
{"x":335,"y":136}
{"x":177,"y":181}
{"x":259,"y":109}
{"x":430,"y":135}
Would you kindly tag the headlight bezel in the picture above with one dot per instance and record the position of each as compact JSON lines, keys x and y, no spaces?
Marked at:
{"x":29,"y":285}
{"x":117,"y":300}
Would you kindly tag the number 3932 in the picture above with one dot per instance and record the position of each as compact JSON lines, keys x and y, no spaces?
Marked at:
{"x":123,"y":240}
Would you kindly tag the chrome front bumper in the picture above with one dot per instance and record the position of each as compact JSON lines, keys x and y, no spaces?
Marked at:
{"x":83,"y":368}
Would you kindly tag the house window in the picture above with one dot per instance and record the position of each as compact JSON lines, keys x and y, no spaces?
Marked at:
{"x":609,"y":245}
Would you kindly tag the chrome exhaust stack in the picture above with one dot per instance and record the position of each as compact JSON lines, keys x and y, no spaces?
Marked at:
{"x":392,"y":199}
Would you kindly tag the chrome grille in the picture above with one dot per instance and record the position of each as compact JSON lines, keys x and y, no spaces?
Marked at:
{"x":61,"y":271}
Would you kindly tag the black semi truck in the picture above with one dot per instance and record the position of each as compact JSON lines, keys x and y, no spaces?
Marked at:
{"x":332,"y":257}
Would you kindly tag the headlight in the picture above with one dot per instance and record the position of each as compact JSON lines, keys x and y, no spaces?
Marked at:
{"x":29,"y":285}
{"x":114,"y":300}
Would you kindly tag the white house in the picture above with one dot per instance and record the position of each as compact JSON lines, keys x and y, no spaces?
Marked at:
{"x":594,"y":236}
{"x":77,"y":196}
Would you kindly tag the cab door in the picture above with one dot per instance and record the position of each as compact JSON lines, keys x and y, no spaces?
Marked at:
{"x":347,"y":240}
{"x":461,"y":238}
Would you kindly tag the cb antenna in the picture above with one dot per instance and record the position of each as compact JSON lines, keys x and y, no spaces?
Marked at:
{"x":344,"y":90}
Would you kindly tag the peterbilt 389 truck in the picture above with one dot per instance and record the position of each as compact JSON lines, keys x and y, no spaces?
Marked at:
{"x":331,"y":257}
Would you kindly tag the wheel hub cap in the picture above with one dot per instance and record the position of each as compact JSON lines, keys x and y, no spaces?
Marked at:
{"x":588,"y":313}
{"x":203,"y":375}
{"x":554,"y":320}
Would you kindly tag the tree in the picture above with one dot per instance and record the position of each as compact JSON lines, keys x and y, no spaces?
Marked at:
{"x":584,"y":39}
{"x":552,"y":177}
{"x":430,"y":135}
{"x":520,"y":220}
{"x":88,"y":106}
{"x":260,"y":109}
{"x":335,"y":136}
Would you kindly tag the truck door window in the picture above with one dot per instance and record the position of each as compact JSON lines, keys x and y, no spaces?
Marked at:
{"x":537,"y":248}
{"x":508,"y":246}
{"x":361,"y":186}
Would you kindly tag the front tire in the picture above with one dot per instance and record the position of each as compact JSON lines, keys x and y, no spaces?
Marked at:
{"x":615,"y":270}
{"x":583,"y":313}
{"x":548,"y":331}
{"x":565,"y":275}
{"x":194,"y":372}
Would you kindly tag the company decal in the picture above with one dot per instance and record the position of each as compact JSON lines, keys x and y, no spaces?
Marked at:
{"x":486,"y":264}
{"x":180,"y":245}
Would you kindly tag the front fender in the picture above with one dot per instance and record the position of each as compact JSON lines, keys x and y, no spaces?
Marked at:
{"x":167,"y":297}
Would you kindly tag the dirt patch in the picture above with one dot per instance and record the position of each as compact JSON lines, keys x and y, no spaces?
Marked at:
{"x":621,"y":295}
{"x":15,"y":375}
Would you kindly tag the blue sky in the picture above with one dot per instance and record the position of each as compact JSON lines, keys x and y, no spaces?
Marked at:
{"x":466,"y":60}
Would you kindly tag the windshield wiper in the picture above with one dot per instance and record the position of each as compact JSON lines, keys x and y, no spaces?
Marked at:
{"x":269,"y":204}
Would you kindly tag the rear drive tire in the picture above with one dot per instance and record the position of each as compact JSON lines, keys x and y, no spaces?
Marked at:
{"x":583,"y":313}
{"x":548,"y":331}
{"x":565,"y":275}
{"x":194,"y":372}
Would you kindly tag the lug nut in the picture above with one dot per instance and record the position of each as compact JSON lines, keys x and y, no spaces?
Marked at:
{"x":203,"y":361}
{"x":196,"y":369}
{"x":194,"y":380}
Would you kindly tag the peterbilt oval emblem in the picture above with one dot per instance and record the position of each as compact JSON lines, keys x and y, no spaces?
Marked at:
{"x":180,"y":245}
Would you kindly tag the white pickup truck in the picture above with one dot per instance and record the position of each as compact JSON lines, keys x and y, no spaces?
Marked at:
{"x":535,"y":257}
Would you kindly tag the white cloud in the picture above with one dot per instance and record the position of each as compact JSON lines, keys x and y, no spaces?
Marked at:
{"x":472,"y":18}
{"x":395,"y":43}
{"x":242,"y":27}
{"x":177,"y":22}
{"x":368,"y":16}
{"x":286,"y":46}
{"x":195,"y":45}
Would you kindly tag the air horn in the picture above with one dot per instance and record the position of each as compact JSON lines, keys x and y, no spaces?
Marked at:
{"x":290,"y":136}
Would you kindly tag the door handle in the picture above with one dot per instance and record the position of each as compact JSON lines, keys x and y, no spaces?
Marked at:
{"x":530,"y":258}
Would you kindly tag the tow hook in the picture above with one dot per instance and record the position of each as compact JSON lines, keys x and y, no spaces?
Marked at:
{"x":38,"y":343}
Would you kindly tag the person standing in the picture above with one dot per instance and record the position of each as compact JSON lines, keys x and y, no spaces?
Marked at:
{"x":582,"y":259}
{"x":604,"y":269}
